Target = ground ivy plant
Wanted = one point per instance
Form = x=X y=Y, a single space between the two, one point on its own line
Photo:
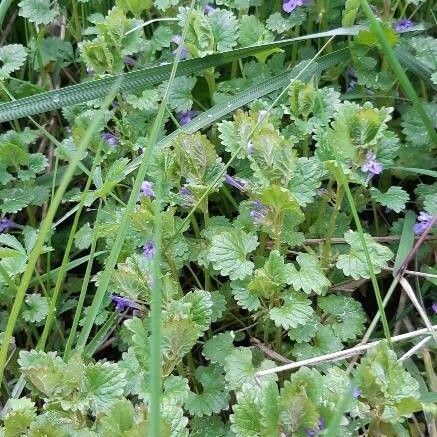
x=273 y=273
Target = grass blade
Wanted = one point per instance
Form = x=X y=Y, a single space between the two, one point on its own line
x=95 y=89
x=406 y=242
x=357 y=221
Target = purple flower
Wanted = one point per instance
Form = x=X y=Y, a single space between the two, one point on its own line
x=187 y=196
x=147 y=189
x=259 y=212
x=239 y=184
x=352 y=85
x=109 y=138
x=208 y=9
x=422 y=222
x=403 y=25
x=149 y=249
x=356 y=392
x=123 y=302
x=372 y=166
x=129 y=61
x=291 y=5
x=434 y=307
x=320 y=427
x=186 y=116
x=6 y=224
x=177 y=39
x=321 y=423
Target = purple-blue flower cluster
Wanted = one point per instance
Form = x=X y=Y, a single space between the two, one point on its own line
x=371 y=165
x=320 y=427
x=6 y=224
x=147 y=189
x=149 y=249
x=423 y=221
x=186 y=116
x=177 y=39
x=109 y=138
x=403 y=24
x=187 y=196
x=239 y=184
x=259 y=212
x=290 y=5
x=208 y=9
x=121 y=303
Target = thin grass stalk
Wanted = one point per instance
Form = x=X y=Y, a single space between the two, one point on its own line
x=373 y=279
x=62 y=271
x=4 y=6
x=46 y=227
x=84 y=288
x=398 y=70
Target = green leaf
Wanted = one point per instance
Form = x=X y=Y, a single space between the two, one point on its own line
x=21 y=413
x=200 y=304
x=224 y=27
x=39 y=11
x=394 y=198
x=354 y=263
x=83 y=237
x=105 y=383
x=368 y=37
x=214 y=397
x=304 y=333
x=323 y=343
x=51 y=50
x=147 y=101
x=386 y=385
x=180 y=93
x=413 y=127
x=218 y=305
x=280 y=200
x=228 y=253
x=280 y=24
x=247 y=298
x=178 y=337
x=118 y=420
x=218 y=348
x=240 y=369
x=252 y=32
x=345 y=315
x=12 y=58
x=36 y=308
x=296 y=310
x=135 y=6
x=310 y=276
x=430 y=203
x=132 y=278
x=306 y=179
x=211 y=426
x=245 y=418
x=176 y=390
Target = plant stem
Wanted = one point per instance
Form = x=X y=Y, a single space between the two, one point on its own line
x=83 y=289
x=326 y=254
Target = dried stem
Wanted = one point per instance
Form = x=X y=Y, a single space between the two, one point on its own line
x=342 y=354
